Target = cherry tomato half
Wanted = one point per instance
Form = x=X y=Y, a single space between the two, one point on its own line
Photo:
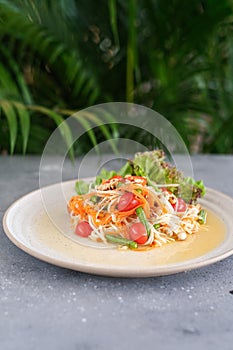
x=137 y=233
x=127 y=202
x=83 y=229
x=180 y=205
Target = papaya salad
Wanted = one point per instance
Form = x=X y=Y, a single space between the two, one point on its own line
x=147 y=203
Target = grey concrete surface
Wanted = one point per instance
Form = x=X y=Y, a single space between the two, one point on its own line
x=46 y=307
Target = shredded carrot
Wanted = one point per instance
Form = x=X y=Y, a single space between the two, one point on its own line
x=122 y=214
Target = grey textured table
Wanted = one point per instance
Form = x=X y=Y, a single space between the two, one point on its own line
x=47 y=307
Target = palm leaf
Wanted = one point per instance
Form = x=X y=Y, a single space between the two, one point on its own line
x=110 y=120
x=16 y=76
x=24 y=118
x=11 y=117
x=63 y=127
x=131 y=51
x=85 y=117
x=87 y=126
x=48 y=46
x=98 y=122
x=8 y=86
x=113 y=21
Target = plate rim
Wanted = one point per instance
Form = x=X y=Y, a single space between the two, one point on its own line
x=104 y=270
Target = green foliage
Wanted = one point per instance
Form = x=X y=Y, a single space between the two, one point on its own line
x=58 y=57
x=39 y=72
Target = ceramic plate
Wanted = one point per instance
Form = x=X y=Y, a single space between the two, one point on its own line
x=38 y=223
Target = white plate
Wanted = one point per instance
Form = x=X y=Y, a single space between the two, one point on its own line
x=29 y=227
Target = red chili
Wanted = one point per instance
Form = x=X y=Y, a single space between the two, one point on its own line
x=138 y=179
x=120 y=178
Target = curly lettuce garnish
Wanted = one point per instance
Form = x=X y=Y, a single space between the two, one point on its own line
x=156 y=169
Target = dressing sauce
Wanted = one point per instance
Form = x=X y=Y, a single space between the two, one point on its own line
x=54 y=243
x=209 y=236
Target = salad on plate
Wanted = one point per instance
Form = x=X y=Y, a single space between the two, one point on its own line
x=146 y=204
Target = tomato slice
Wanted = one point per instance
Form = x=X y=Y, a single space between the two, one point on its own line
x=180 y=205
x=128 y=201
x=83 y=229
x=137 y=233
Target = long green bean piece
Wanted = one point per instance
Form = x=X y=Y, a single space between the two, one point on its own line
x=121 y=240
x=142 y=217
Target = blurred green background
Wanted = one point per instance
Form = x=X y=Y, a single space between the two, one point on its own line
x=60 y=56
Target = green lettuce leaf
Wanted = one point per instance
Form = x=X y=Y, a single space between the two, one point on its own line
x=81 y=187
